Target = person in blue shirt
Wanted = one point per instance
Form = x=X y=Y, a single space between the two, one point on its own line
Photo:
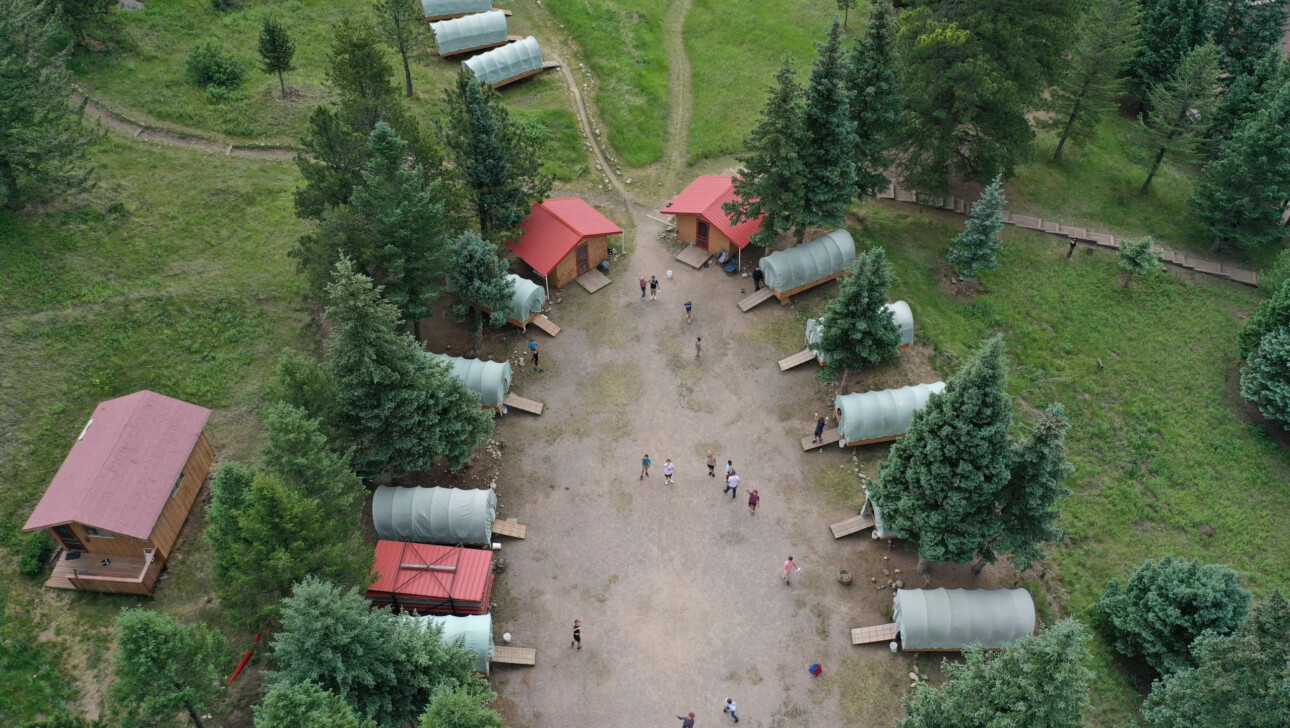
x=537 y=367
x=645 y=466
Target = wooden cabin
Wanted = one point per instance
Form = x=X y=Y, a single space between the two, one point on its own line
x=700 y=220
x=121 y=496
x=563 y=238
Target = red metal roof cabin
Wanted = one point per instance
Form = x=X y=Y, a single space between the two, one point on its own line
x=564 y=235
x=432 y=579
x=700 y=220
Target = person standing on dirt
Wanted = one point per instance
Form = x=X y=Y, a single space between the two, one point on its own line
x=758 y=277
x=819 y=429
x=668 y=469
x=645 y=466
x=730 y=467
x=643 y=288
x=698 y=347
x=732 y=485
x=537 y=367
x=712 y=464
x=687 y=721
x=577 y=634
x=753 y=500
x=730 y=708
x=790 y=566
x=689 y=308
x=653 y=288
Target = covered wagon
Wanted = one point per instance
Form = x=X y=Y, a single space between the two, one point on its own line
x=900 y=313
x=789 y=272
x=880 y=416
x=491 y=380
x=949 y=620
x=904 y=319
x=426 y=578
x=447 y=9
x=448 y=516
x=477 y=32
x=475 y=633
x=508 y=63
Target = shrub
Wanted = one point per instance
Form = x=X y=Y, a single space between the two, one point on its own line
x=36 y=548
x=1265 y=381
x=210 y=65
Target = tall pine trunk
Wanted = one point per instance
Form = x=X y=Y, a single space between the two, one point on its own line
x=1150 y=175
x=978 y=566
x=197 y=721
x=407 y=72
x=1066 y=131
x=479 y=331
x=10 y=178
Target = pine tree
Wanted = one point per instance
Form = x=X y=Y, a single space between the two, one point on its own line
x=1265 y=380
x=845 y=6
x=331 y=161
x=86 y=17
x=163 y=668
x=1137 y=259
x=1246 y=30
x=1039 y=682
x=828 y=138
x=303 y=705
x=296 y=451
x=500 y=165
x=1166 y=605
x=1241 y=195
x=1239 y=681
x=478 y=277
x=1180 y=106
x=405 y=410
x=858 y=329
x=459 y=707
x=772 y=177
x=43 y=138
x=230 y=487
x=939 y=486
x=976 y=249
x=1106 y=40
x=298 y=380
x=359 y=74
x=874 y=79
x=1244 y=97
x=1028 y=503
x=1273 y=313
x=401 y=25
x=1169 y=30
x=276 y=50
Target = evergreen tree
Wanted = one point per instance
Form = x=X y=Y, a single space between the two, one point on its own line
x=1180 y=107
x=331 y=162
x=1245 y=97
x=845 y=6
x=1239 y=681
x=1242 y=194
x=1028 y=503
x=874 y=79
x=400 y=24
x=1273 y=313
x=230 y=487
x=1169 y=30
x=858 y=329
x=43 y=138
x=1166 y=605
x=163 y=668
x=384 y=666
x=1137 y=259
x=1039 y=682
x=976 y=249
x=1246 y=30
x=828 y=138
x=299 y=381
x=460 y=707
x=276 y=50
x=296 y=451
x=479 y=278
x=86 y=17
x=405 y=410
x=772 y=178
x=1106 y=39
x=359 y=75
x=939 y=486
x=303 y=705
x=1265 y=380
x=500 y=165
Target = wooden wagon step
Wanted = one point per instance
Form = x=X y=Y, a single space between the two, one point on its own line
x=694 y=256
x=869 y=635
x=593 y=280
x=796 y=360
x=509 y=529
x=514 y=655
x=548 y=65
x=546 y=324
x=765 y=294
x=515 y=401
x=841 y=528
x=830 y=437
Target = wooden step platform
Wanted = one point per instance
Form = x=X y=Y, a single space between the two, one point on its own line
x=544 y=323
x=870 y=635
x=830 y=437
x=593 y=280
x=852 y=525
x=694 y=256
x=509 y=529
x=765 y=294
x=548 y=65
x=505 y=655
x=514 y=401
x=796 y=360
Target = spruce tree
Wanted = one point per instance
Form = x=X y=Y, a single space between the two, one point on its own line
x=230 y=487
x=1169 y=30
x=1241 y=195
x=876 y=98
x=461 y=707
x=1273 y=313
x=1243 y=98
x=296 y=451
x=858 y=329
x=276 y=50
x=845 y=6
x=772 y=178
x=1028 y=503
x=1265 y=380
x=331 y=162
x=1137 y=259
x=976 y=249
x=163 y=668
x=1180 y=106
x=401 y=26
x=500 y=165
x=478 y=277
x=1041 y=681
x=1088 y=91
x=941 y=483
x=43 y=138
x=405 y=410
x=1246 y=30
x=303 y=705
x=359 y=74
x=828 y=138
x=89 y=20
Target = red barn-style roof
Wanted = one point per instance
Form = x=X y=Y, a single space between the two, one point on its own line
x=554 y=227
x=123 y=467
x=704 y=197
x=427 y=578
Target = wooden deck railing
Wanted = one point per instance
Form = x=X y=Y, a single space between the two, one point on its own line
x=142 y=584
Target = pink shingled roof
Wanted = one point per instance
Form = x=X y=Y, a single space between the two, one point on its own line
x=704 y=197
x=119 y=474
x=554 y=227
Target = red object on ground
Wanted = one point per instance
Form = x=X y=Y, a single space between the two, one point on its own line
x=704 y=197
x=554 y=227
x=245 y=658
x=422 y=577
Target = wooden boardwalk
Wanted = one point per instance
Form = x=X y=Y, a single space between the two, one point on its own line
x=830 y=437
x=693 y=256
x=869 y=635
x=765 y=294
x=593 y=280
x=796 y=360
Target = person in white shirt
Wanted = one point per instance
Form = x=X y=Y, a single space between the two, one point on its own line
x=732 y=485
x=730 y=708
x=668 y=469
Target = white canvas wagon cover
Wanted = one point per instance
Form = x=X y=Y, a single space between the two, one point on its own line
x=474 y=630
x=469 y=31
x=507 y=62
x=952 y=619
x=440 y=8
x=883 y=413
x=491 y=380
x=527 y=299
x=820 y=258
x=445 y=516
x=904 y=321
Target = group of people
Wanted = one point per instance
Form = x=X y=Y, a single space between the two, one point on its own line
x=732 y=478
x=687 y=720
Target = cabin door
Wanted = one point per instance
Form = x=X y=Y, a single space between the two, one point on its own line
x=701 y=235
x=69 y=539
x=582 y=259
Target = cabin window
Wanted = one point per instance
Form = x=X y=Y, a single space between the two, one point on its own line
x=178 y=481
x=93 y=532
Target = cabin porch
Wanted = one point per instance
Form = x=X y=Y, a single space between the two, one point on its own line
x=87 y=571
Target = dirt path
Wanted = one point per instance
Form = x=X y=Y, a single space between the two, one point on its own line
x=580 y=107
x=119 y=124
x=680 y=96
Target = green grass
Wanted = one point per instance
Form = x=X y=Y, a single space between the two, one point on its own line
x=622 y=42
x=1158 y=436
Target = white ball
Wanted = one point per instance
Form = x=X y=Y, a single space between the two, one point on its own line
x=506 y=637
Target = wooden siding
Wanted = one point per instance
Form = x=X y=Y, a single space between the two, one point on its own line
x=717 y=241
x=686 y=228
x=118 y=545
x=687 y=231
x=566 y=271
x=176 y=511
